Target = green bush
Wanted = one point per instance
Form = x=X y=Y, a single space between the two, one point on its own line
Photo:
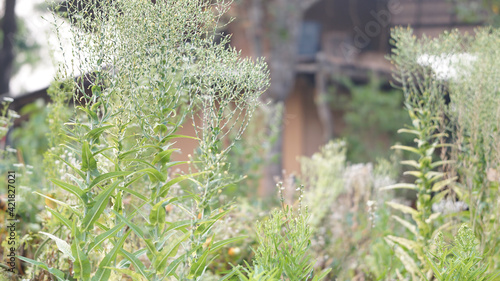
x=153 y=66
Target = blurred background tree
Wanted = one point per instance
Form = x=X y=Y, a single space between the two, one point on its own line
x=17 y=47
x=9 y=28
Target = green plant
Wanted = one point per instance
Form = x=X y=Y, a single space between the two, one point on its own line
x=151 y=66
x=475 y=101
x=323 y=173
x=249 y=155
x=459 y=67
x=255 y=273
x=425 y=103
x=284 y=240
x=372 y=115
x=459 y=261
x=349 y=218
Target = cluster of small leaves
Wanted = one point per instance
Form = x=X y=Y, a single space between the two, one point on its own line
x=323 y=171
x=148 y=66
x=284 y=240
x=460 y=261
x=255 y=273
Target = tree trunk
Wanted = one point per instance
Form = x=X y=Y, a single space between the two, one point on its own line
x=282 y=20
x=9 y=28
x=321 y=101
x=286 y=20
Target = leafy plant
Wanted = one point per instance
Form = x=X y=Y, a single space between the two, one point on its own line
x=323 y=172
x=475 y=102
x=457 y=68
x=151 y=66
x=459 y=261
x=284 y=240
x=255 y=273
x=372 y=115
x=424 y=101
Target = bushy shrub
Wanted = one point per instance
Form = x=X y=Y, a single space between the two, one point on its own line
x=151 y=68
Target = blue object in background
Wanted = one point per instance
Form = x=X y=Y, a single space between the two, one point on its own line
x=309 y=40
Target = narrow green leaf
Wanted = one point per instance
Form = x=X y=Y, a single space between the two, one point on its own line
x=93 y=115
x=78 y=171
x=408 y=225
x=59 y=203
x=167 y=138
x=416 y=174
x=168 y=252
x=412 y=163
x=105 y=236
x=408 y=131
x=175 y=263
x=96 y=133
x=151 y=248
x=59 y=216
x=409 y=244
x=158 y=214
x=75 y=190
x=62 y=245
x=56 y=272
x=202 y=229
x=108 y=176
x=103 y=273
x=160 y=129
x=133 y=192
x=133 y=226
x=439 y=185
x=81 y=265
x=154 y=175
x=400 y=186
x=439 y=196
x=102 y=201
x=217 y=245
x=138 y=265
x=407 y=148
x=179 y=225
x=88 y=161
x=403 y=208
x=134 y=275
x=432 y=265
x=407 y=260
x=322 y=275
x=164 y=189
x=200 y=264
x=441 y=163
x=164 y=156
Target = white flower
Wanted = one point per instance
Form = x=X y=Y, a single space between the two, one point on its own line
x=8 y=99
x=13 y=114
x=10 y=149
x=448 y=66
x=448 y=206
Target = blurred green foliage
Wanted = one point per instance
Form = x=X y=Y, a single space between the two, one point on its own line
x=372 y=116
